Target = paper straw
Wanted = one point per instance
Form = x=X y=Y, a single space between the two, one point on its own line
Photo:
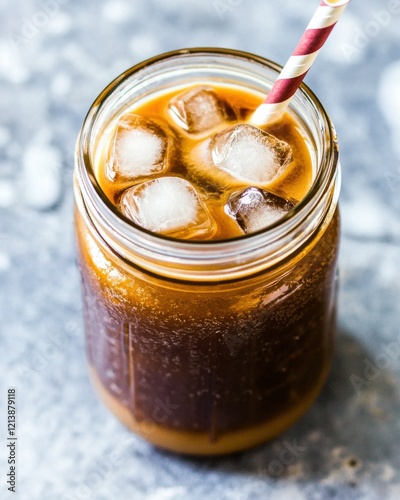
x=296 y=68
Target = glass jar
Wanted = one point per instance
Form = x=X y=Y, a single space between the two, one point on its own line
x=215 y=346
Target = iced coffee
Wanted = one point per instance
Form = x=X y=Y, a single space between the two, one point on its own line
x=207 y=249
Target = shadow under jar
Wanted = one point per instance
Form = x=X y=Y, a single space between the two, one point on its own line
x=208 y=347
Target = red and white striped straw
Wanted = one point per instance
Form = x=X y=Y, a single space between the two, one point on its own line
x=294 y=71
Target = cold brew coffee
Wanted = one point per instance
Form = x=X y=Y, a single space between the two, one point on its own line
x=207 y=250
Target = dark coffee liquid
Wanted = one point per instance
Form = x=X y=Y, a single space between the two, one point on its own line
x=185 y=159
x=213 y=367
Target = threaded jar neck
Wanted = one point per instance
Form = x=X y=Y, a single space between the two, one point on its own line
x=207 y=261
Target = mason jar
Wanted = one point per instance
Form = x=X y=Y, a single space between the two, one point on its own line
x=208 y=347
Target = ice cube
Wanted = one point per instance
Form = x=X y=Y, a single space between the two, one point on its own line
x=255 y=209
x=167 y=205
x=200 y=110
x=139 y=148
x=251 y=154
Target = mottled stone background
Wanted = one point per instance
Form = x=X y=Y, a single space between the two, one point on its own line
x=55 y=57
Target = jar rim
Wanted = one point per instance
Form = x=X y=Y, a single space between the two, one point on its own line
x=106 y=214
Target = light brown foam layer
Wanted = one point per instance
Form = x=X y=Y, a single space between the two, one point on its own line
x=196 y=443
